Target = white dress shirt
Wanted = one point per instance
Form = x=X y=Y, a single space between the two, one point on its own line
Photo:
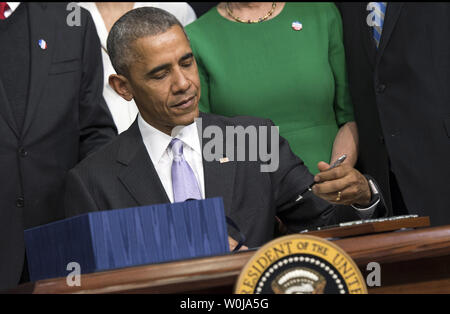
x=12 y=7
x=157 y=144
x=124 y=112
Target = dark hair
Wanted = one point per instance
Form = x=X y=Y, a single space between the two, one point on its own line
x=135 y=24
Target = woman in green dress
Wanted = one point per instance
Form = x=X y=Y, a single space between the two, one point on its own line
x=282 y=61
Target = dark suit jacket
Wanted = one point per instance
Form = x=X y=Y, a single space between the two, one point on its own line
x=401 y=96
x=66 y=118
x=121 y=175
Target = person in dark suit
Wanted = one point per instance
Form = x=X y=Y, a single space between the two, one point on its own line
x=52 y=115
x=156 y=161
x=399 y=76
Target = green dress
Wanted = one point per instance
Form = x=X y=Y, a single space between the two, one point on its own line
x=295 y=78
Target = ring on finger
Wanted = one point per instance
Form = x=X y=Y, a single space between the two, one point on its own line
x=338 y=198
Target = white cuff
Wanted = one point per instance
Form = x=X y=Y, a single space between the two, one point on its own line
x=367 y=212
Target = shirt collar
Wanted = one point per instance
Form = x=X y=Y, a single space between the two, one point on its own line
x=189 y=136
x=157 y=142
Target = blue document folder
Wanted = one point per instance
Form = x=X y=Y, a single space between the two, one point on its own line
x=105 y=240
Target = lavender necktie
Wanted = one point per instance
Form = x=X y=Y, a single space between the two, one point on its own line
x=184 y=182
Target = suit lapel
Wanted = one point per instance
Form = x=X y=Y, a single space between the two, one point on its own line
x=142 y=181
x=139 y=176
x=392 y=13
x=41 y=27
x=219 y=177
x=6 y=112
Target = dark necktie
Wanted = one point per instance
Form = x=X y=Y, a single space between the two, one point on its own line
x=3 y=7
x=378 y=12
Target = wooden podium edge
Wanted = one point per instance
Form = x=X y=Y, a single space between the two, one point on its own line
x=207 y=273
x=371 y=227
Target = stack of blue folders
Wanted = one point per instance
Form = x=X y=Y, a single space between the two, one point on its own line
x=105 y=240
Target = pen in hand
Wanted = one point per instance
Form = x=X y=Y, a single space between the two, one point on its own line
x=338 y=162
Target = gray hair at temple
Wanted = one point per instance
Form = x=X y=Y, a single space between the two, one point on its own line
x=135 y=24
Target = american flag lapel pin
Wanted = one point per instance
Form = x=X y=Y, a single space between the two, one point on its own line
x=297 y=26
x=42 y=43
x=223 y=160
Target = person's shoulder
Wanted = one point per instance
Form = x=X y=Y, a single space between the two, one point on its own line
x=204 y=22
x=324 y=8
x=330 y=9
x=63 y=9
x=103 y=158
x=312 y=5
x=84 y=6
x=63 y=14
x=324 y=13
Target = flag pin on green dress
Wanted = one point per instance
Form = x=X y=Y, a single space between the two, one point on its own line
x=297 y=26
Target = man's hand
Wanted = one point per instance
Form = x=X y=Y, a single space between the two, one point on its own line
x=233 y=243
x=352 y=185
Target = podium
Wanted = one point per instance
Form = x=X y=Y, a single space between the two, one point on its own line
x=413 y=259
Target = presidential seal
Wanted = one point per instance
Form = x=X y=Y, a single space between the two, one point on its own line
x=300 y=264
